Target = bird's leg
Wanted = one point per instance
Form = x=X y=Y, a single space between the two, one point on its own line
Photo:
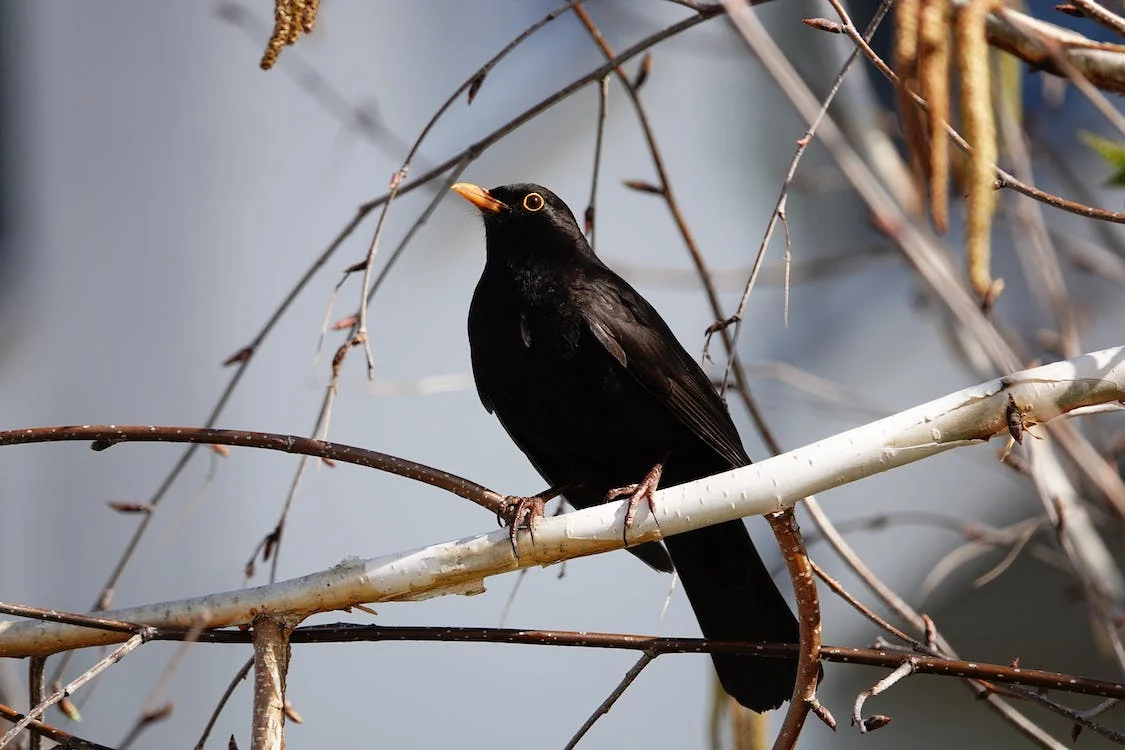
x=643 y=490
x=523 y=513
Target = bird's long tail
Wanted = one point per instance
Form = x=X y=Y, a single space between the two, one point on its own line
x=735 y=599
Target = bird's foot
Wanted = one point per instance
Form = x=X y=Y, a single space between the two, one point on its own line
x=523 y=513
x=643 y=490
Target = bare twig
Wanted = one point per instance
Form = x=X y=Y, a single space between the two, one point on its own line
x=104 y=436
x=238 y=678
x=590 y=214
x=38 y=729
x=904 y=670
x=607 y=704
x=788 y=535
x=107 y=661
x=860 y=607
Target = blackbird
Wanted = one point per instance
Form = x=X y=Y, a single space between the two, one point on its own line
x=594 y=388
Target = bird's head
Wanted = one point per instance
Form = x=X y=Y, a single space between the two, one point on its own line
x=525 y=218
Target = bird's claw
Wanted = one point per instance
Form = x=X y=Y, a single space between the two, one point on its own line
x=520 y=513
x=643 y=490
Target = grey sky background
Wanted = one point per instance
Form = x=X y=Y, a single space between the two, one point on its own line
x=168 y=194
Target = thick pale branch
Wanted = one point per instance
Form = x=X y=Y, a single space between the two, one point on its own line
x=271 y=667
x=969 y=416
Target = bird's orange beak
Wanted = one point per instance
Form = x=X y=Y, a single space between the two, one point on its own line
x=479 y=197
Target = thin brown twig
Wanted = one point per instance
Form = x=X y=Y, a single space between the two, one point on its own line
x=1005 y=180
x=104 y=436
x=788 y=534
x=607 y=704
x=38 y=729
x=1065 y=171
x=148 y=717
x=223 y=700
x=878 y=657
x=860 y=607
x=590 y=214
x=1079 y=718
x=272 y=541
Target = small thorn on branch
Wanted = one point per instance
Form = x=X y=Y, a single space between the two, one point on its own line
x=474 y=87
x=643 y=71
x=641 y=186
x=824 y=24
x=241 y=355
x=129 y=507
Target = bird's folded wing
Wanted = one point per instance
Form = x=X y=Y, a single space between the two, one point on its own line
x=635 y=335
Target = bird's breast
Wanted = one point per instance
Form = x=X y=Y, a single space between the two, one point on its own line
x=537 y=365
x=566 y=399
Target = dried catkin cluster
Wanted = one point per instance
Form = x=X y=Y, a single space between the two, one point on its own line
x=934 y=38
x=291 y=18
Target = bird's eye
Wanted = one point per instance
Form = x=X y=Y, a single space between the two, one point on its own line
x=533 y=202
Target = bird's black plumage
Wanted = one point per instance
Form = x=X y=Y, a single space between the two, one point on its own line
x=594 y=388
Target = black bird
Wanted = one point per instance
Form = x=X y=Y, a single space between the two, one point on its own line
x=594 y=388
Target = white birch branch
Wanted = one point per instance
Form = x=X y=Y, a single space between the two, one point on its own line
x=967 y=417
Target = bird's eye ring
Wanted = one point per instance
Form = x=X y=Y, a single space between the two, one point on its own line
x=533 y=202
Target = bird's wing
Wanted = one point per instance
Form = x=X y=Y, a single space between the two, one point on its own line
x=635 y=335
